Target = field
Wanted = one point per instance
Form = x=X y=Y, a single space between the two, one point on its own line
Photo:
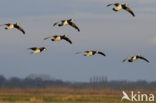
x=63 y=95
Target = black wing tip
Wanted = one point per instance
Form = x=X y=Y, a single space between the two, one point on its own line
x=55 y=24
x=30 y=48
x=69 y=41
x=104 y=54
x=108 y=5
x=133 y=14
x=147 y=61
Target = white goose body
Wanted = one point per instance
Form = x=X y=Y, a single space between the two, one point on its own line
x=90 y=53
x=119 y=7
x=11 y=26
x=65 y=23
x=58 y=38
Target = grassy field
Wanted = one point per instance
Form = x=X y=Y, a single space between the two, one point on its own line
x=63 y=95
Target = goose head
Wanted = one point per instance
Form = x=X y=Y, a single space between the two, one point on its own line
x=43 y=48
x=17 y=23
x=72 y=19
x=138 y=55
x=66 y=35
x=126 y=4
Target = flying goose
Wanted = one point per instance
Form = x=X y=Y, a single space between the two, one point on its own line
x=59 y=37
x=91 y=53
x=12 y=26
x=36 y=50
x=122 y=6
x=67 y=22
x=134 y=58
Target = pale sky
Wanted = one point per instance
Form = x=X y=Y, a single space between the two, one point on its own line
x=118 y=35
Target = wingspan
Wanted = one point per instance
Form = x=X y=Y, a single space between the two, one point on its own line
x=79 y=52
x=110 y=4
x=101 y=53
x=129 y=10
x=126 y=59
x=5 y=24
x=19 y=28
x=74 y=25
x=144 y=59
x=116 y=4
x=55 y=23
x=67 y=39
x=33 y=48
x=48 y=37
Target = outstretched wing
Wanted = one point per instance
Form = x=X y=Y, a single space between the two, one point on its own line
x=82 y=52
x=33 y=48
x=101 y=53
x=73 y=25
x=129 y=10
x=109 y=4
x=58 y=23
x=140 y=57
x=116 y=4
x=48 y=37
x=19 y=28
x=5 y=24
x=79 y=52
x=55 y=23
x=126 y=59
x=67 y=39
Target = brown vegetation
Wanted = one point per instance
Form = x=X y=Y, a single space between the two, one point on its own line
x=64 y=94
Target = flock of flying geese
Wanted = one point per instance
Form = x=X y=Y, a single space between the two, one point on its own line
x=70 y=22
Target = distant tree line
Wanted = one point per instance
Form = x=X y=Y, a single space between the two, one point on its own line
x=95 y=82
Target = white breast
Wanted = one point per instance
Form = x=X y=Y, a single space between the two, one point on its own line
x=65 y=23
x=58 y=38
x=11 y=26
x=89 y=53
x=36 y=51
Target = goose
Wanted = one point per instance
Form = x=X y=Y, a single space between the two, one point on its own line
x=36 y=50
x=134 y=58
x=59 y=37
x=12 y=26
x=122 y=6
x=67 y=22
x=91 y=53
